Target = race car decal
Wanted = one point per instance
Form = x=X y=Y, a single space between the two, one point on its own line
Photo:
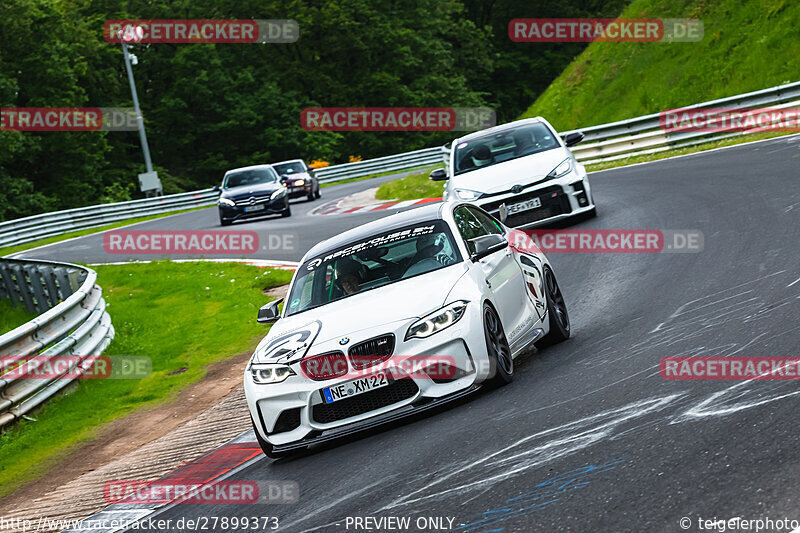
x=288 y=346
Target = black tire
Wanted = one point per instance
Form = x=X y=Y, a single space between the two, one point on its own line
x=311 y=196
x=267 y=448
x=501 y=364
x=317 y=194
x=556 y=312
x=288 y=211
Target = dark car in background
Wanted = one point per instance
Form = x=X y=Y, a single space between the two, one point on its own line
x=251 y=192
x=299 y=179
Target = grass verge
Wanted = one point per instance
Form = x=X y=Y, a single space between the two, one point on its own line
x=381 y=174
x=13 y=316
x=182 y=316
x=411 y=187
x=8 y=250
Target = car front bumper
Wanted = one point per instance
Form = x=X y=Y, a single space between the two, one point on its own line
x=560 y=198
x=241 y=212
x=289 y=413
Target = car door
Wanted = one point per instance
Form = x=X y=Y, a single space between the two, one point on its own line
x=500 y=272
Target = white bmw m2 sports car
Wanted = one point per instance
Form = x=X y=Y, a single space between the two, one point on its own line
x=395 y=317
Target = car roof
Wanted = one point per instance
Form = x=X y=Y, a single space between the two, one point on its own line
x=252 y=167
x=289 y=161
x=501 y=127
x=403 y=218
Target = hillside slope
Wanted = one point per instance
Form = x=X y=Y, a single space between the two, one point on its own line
x=747 y=46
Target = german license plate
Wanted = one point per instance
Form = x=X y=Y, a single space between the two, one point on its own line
x=349 y=389
x=251 y=208
x=533 y=203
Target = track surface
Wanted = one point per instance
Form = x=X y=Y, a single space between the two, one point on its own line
x=589 y=437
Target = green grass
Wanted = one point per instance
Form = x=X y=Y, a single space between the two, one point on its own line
x=178 y=314
x=682 y=151
x=380 y=174
x=13 y=316
x=746 y=47
x=8 y=250
x=411 y=187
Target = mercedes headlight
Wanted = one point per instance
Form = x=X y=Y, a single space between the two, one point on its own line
x=277 y=194
x=227 y=201
x=466 y=194
x=563 y=168
x=266 y=374
x=437 y=321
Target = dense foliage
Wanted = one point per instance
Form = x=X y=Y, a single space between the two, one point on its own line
x=211 y=107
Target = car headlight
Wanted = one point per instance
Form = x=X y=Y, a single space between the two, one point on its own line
x=299 y=183
x=266 y=374
x=437 y=321
x=466 y=194
x=277 y=194
x=564 y=167
x=227 y=201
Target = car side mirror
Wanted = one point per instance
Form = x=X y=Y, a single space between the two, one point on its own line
x=216 y=188
x=269 y=314
x=573 y=138
x=487 y=245
x=439 y=174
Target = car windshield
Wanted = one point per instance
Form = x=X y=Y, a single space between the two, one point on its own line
x=250 y=177
x=372 y=262
x=290 y=168
x=502 y=146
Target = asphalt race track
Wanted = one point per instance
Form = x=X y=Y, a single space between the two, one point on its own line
x=589 y=437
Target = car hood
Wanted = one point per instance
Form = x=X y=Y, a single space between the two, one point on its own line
x=411 y=298
x=502 y=176
x=297 y=176
x=247 y=190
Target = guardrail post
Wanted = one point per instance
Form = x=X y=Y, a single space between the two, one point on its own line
x=22 y=284
x=37 y=286
x=64 y=285
x=50 y=282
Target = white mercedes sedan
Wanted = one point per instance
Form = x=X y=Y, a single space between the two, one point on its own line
x=396 y=317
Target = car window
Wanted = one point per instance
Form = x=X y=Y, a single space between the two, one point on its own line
x=373 y=262
x=469 y=226
x=501 y=146
x=249 y=177
x=489 y=224
x=290 y=168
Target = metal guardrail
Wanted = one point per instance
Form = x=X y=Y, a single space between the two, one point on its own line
x=73 y=321
x=604 y=142
x=28 y=229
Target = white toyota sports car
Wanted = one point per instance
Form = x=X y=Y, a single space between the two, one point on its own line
x=395 y=317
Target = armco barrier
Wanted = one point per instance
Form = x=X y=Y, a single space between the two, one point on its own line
x=605 y=142
x=73 y=321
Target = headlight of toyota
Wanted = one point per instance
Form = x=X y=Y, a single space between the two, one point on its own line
x=437 y=321
x=227 y=201
x=277 y=194
x=466 y=194
x=563 y=168
x=266 y=374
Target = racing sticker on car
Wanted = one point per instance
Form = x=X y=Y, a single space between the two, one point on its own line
x=531 y=270
x=286 y=346
x=387 y=238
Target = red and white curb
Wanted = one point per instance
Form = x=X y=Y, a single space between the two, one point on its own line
x=209 y=469
x=333 y=208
